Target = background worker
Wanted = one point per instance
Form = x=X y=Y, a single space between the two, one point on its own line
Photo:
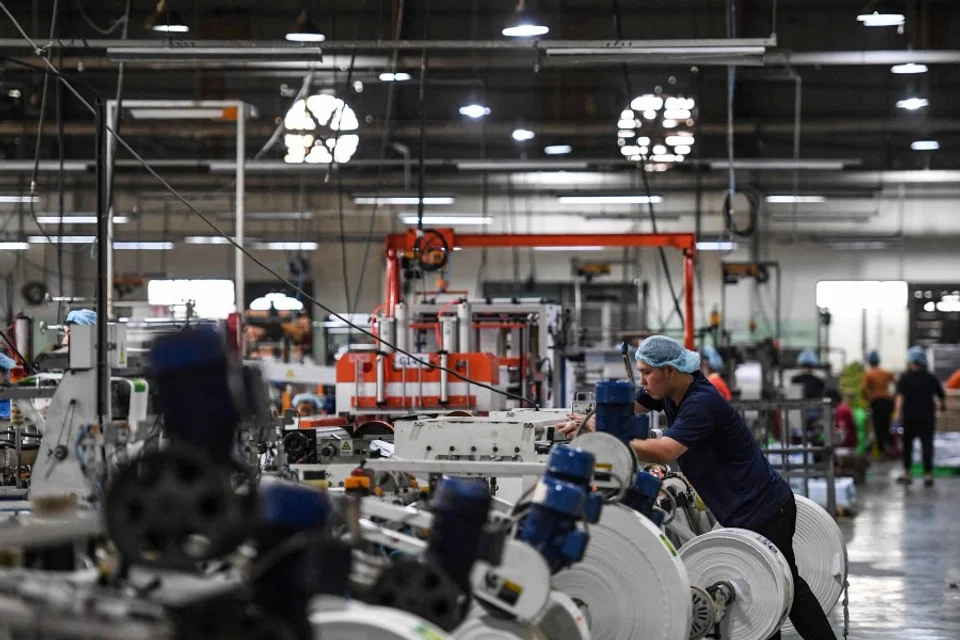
x=713 y=365
x=915 y=409
x=722 y=460
x=875 y=387
x=77 y=316
x=307 y=404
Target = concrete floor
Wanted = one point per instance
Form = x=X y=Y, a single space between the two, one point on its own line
x=904 y=553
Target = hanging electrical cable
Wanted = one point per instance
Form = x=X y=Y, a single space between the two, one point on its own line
x=422 y=151
x=618 y=27
x=68 y=83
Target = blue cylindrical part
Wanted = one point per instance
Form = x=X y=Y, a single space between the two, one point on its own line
x=294 y=506
x=460 y=509
x=642 y=496
x=559 y=496
x=615 y=409
x=572 y=465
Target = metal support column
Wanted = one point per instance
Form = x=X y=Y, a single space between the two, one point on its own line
x=689 y=326
x=103 y=267
x=109 y=148
x=239 y=283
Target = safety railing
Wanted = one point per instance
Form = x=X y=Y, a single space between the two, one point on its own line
x=787 y=432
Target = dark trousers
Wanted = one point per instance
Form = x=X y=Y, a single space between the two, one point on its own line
x=806 y=614
x=881 y=410
x=923 y=431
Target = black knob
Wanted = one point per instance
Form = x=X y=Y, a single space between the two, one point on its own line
x=60 y=452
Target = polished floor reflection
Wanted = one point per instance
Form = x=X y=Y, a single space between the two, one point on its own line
x=904 y=551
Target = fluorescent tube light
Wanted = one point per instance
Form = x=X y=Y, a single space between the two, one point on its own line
x=522 y=165
x=143 y=246
x=912 y=104
x=14 y=246
x=910 y=67
x=794 y=199
x=522 y=135
x=877 y=19
x=62 y=239
x=46 y=219
x=924 y=145
x=611 y=199
x=717 y=246
x=403 y=200
x=207 y=240
x=451 y=220
x=268 y=215
x=557 y=149
x=286 y=246
x=778 y=164
x=18 y=199
x=399 y=76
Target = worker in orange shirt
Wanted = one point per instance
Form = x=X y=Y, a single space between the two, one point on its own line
x=875 y=387
x=953 y=382
x=713 y=366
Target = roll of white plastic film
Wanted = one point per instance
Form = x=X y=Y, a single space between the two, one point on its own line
x=631 y=583
x=758 y=572
x=821 y=554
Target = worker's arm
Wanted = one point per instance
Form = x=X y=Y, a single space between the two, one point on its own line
x=940 y=394
x=662 y=451
x=897 y=407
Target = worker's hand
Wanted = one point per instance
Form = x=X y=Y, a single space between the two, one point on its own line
x=570 y=428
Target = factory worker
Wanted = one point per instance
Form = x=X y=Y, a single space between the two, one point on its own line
x=713 y=366
x=77 y=316
x=915 y=409
x=719 y=455
x=307 y=404
x=6 y=363
x=875 y=388
x=814 y=387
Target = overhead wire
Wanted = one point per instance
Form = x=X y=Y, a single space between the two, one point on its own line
x=122 y=21
x=213 y=227
x=646 y=180
x=421 y=160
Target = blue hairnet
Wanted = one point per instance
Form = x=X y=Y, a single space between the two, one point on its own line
x=82 y=316
x=312 y=398
x=917 y=355
x=714 y=359
x=661 y=351
x=6 y=362
x=873 y=359
x=808 y=358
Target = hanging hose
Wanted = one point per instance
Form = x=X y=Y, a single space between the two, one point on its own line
x=754 y=199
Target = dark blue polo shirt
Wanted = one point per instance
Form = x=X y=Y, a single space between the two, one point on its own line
x=723 y=461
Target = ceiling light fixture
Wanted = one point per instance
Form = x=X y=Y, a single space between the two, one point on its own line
x=399 y=76
x=14 y=246
x=912 y=104
x=924 y=145
x=717 y=246
x=522 y=135
x=881 y=13
x=557 y=149
x=165 y=20
x=788 y=199
x=304 y=30
x=315 y=129
x=19 y=199
x=910 y=67
x=452 y=220
x=208 y=240
x=609 y=199
x=48 y=219
x=61 y=239
x=525 y=23
x=402 y=200
x=286 y=246
x=474 y=110
x=143 y=246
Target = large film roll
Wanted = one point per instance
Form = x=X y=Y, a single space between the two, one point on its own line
x=758 y=572
x=631 y=583
x=821 y=554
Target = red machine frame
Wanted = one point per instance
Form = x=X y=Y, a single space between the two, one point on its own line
x=406 y=243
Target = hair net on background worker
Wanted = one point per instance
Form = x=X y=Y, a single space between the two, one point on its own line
x=917 y=355
x=808 y=358
x=661 y=351
x=873 y=359
x=312 y=398
x=6 y=362
x=82 y=316
x=714 y=359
